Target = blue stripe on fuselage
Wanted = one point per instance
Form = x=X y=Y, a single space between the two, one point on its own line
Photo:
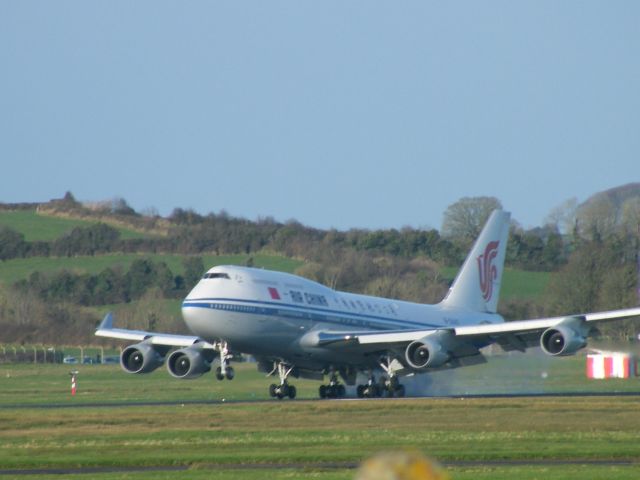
x=345 y=319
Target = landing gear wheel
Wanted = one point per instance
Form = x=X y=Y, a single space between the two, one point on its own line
x=292 y=392
x=368 y=391
x=224 y=370
x=335 y=389
x=283 y=389
x=323 y=391
x=400 y=392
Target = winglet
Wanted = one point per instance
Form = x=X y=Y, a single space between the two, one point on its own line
x=107 y=322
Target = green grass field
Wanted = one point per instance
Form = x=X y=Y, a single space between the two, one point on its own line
x=20 y=268
x=214 y=439
x=516 y=284
x=45 y=228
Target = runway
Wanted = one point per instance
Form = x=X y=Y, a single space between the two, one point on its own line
x=235 y=402
x=314 y=466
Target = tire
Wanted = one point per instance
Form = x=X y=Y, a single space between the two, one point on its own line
x=272 y=390
x=360 y=391
x=292 y=392
x=219 y=375
x=284 y=390
x=400 y=392
x=323 y=391
x=331 y=391
x=230 y=373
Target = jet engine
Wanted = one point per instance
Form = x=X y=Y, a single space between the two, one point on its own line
x=562 y=340
x=142 y=357
x=189 y=362
x=428 y=352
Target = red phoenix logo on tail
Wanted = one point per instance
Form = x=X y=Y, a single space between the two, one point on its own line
x=487 y=270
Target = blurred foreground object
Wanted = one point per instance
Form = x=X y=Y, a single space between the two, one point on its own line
x=400 y=466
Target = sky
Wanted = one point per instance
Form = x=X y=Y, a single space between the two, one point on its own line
x=358 y=114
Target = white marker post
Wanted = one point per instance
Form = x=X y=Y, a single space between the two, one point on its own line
x=74 y=383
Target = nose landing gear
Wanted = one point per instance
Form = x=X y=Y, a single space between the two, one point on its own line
x=224 y=370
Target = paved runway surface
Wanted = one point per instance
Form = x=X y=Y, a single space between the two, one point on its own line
x=219 y=402
x=317 y=466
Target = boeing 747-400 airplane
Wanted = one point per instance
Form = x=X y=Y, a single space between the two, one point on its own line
x=295 y=327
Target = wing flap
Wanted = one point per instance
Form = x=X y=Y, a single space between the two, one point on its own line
x=343 y=338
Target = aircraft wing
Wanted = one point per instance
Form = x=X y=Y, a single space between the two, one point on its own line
x=524 y=326
x=105 y=329
x=516 y=335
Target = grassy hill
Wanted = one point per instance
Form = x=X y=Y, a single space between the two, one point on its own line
x=20 y=268
x=38 y=227
x=516 y=284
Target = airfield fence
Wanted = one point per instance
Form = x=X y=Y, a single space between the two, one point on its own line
x=41 y=354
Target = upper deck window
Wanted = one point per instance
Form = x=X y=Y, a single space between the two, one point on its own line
x=216 y=275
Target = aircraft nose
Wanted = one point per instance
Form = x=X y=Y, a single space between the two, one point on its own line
x=187 y=311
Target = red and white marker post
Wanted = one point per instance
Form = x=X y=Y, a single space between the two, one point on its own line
x=74 y=382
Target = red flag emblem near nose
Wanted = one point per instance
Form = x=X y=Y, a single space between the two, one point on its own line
x=274 y=293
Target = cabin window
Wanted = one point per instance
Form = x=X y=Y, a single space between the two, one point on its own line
x=216 y=275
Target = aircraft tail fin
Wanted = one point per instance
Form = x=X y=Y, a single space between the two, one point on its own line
x=477 y=285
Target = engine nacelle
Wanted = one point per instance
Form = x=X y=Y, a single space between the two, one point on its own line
x=189 y=362
x=562 y=340
x=141 y=358
x=426 y=353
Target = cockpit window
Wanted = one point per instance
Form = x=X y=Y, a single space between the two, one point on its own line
x=216 y=275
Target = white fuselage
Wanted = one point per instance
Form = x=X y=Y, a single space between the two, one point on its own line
x=268 y=314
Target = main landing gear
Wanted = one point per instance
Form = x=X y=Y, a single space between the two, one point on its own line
x=224 y=370
x=334 y=390
x=283 y=389
x=388 y=386
x=385 y=387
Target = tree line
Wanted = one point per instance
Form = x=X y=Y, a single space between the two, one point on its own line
x=194 y=234
x=595 y=268
x=112 y=285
